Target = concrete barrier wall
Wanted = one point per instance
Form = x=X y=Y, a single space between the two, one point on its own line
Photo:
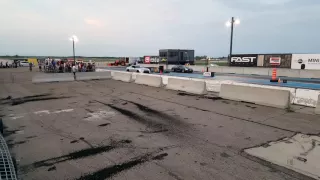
x=262 y=96
x=188 y=85
x=256 y=71
x=317 y=111
x=286 y=72
x=309 y=73
x=235 y=70
x=52 y=77
x=307 y=97
x=122 y=76
x=215 y=85
x=93 y=75
x=291 y=90
x=150 y=80
x=216 y=69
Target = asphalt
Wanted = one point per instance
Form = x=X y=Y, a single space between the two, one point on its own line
x=114 y=130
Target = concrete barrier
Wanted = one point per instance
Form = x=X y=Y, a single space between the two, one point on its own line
x=235 y=70
x=122 y=76
x=309 y=73
x=188 y=85
x=216 y=69
x=215 y=85
x=307 y=97
x=52 y=77
x=317 y=111
x=149 y=80
x=256 y=71
x=93 y=75
x=262 y=96
x=286 y=72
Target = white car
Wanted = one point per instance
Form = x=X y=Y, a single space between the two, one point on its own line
x=138 y=69
x=214 y=65
x=24 y=63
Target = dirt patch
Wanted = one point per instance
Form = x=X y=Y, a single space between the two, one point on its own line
x=111 y=171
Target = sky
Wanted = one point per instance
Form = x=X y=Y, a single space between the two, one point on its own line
x=142 y=27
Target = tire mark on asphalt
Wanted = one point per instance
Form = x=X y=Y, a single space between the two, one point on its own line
x=111 y=171
x=222 y=114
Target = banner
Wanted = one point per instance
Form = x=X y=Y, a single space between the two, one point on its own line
x=151 y=59
x=305 y=61
x=285 y=61
x=244 y=60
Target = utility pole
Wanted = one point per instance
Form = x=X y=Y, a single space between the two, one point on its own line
x=74 y=54
x=231 y=38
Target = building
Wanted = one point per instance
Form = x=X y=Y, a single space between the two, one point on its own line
x=176 y=56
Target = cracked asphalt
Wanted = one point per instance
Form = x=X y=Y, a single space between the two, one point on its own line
x=114 y=130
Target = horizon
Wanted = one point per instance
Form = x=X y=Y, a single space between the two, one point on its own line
x=127 y=28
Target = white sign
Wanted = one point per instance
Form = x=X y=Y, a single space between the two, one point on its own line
x=242 y=59
x=275 y=61
x=207 y=74
x=305 y=61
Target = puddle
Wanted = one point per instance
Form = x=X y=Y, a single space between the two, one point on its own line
x=299 y=153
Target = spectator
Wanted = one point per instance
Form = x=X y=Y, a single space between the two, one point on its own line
x=7 y=64
x=30 y=66
x=74 y=70
x=40 y=69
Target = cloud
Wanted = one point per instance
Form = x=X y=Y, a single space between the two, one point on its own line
x=93 y=22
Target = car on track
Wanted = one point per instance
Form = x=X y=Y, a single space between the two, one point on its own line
x=138 y=69
x=181 y=68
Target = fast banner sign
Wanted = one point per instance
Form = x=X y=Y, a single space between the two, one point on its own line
x=305 y=61
x=244 y=60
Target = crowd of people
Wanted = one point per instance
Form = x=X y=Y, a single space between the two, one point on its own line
x=8 y=64
x=61 y=66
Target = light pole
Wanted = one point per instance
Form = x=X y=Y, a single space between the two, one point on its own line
x=231 y=24
x=74 y=39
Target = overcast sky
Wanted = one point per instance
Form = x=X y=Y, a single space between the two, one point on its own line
x=142 y=27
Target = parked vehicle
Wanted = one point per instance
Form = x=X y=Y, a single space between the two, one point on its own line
x=24 y=63
x=181 y=68
x=214 y=65
x=139 y=69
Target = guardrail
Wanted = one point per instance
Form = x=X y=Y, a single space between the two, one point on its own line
x=7 y=168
